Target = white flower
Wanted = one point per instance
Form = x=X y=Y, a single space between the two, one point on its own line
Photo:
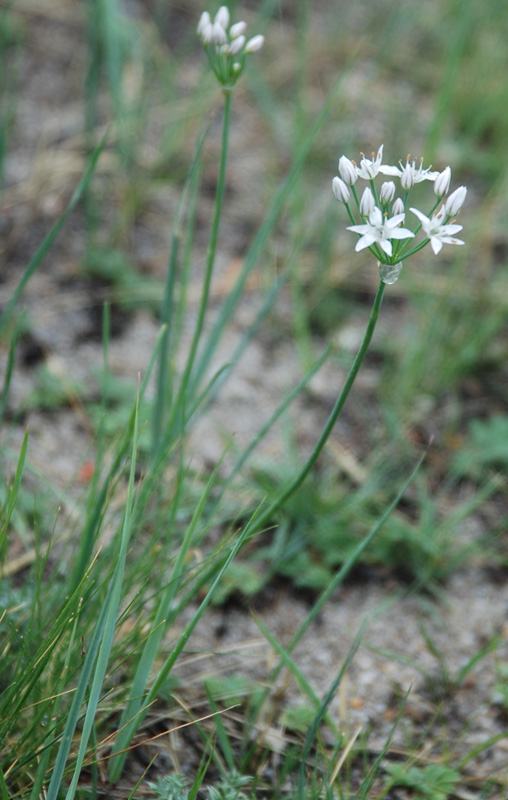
x=380 y=230
x=214 y=32
x=398 y=207
x=442 y=182
x=226 y=45
x=348 y=171
x=237 y=29
x=219 y=35
x=255 y=44
x=235 y=46
x=368 y=168
x=418 y=174
x=436 y=231
x=222 y=18
x=367 y=202
x=340 y=190
x=387 y=192
x=407 y=180
x=456 y=200
x=205 y=28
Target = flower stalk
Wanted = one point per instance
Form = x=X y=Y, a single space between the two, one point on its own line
x=178 y=410
x=267 y=516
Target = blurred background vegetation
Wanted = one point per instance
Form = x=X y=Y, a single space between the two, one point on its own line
x=425 y=77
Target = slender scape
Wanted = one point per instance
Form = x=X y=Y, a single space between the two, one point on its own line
x=332 y=419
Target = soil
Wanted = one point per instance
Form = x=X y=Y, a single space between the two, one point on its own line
x=63 y=304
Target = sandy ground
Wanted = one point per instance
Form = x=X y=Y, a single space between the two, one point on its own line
x=63 y=306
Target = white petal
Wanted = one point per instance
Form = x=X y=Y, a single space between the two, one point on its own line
x=347 y=171
x=237 y=29
x=451 y=229
x=235 y=45
x=396 y=220
x=386 y=245
x=255 y=44
x=218 y=34
x=442 y=182
x=386 y=170
x=340 y=190
x=436 y=244
x=376 y=217
x=363 y=229
x=204 y=22
x=365 y=241
x=401 y=233
x=420 y=216
x=455 y=201
x=222 y=17
x=367 y=202
x=451 y=240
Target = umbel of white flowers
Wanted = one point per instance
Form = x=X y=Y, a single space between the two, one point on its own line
x=226 y=45
x=382 y=214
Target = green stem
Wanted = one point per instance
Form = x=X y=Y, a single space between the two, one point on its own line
x=210 y=261
x=339 y=405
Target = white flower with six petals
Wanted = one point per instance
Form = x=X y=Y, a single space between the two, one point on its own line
x=418 y=174
x=435 y=229
x=380 y=230
x=368 y=168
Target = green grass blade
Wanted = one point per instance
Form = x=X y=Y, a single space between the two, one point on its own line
x=318 y=719
x=368 y=781
x=471 y=663
x=99 y=652
x=290 y=664
x=44 y=760
x=164 y=392
x=129 y=720
x=14 y=491
x=9 y=368
x=184 y=637
x=335 y=582
x=96 y=511
x=224 y=742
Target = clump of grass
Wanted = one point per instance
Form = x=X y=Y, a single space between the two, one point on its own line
x=91 y=637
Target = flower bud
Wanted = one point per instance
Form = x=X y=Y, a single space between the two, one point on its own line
x=340 y=190
x=255 y=44
x=205 y=28
x=455 y=201
x=442 y=182
x=398 y=207
x=235 y=46
x=347 y=171
x=237 y=29
x=218 y=35
x=222 y=17
x=407 y=179
x=367 y=202
x=387 y=192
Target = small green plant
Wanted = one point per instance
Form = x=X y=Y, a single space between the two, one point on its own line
x=91 y=632
x=432 y=782
x=171 y=787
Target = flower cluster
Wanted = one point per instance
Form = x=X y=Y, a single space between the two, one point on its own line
x=226 y=45
x=382 y=213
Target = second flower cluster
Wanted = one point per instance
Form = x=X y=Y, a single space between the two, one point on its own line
x=382 y=213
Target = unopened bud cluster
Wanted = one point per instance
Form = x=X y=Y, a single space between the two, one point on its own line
x=226 y=45
x=382 y=213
